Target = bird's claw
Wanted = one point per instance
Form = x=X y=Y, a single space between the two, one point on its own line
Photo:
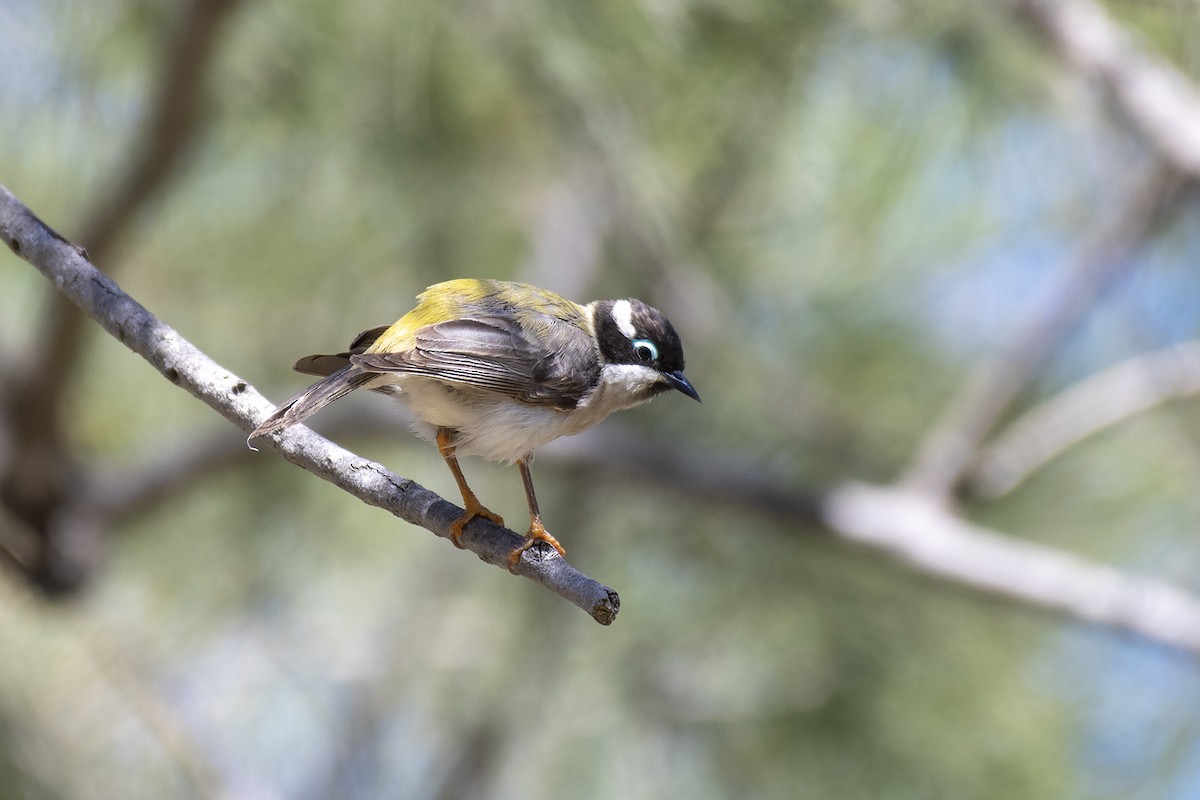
x=473 y=511
x=536 y=534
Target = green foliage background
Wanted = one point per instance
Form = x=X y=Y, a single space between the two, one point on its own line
x=841 y=205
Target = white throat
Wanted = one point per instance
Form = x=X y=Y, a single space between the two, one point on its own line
x=621 y=386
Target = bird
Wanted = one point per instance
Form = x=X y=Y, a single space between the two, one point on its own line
x=496 y=369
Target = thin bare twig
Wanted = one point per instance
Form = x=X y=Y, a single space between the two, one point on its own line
x=920 y=531
x=1164 y=104
x=1083 y=410
x=948 y=449
x=181 y=363
x=120 y=494
x=911 y=528
x=1160 y=100
x=914 y=529
x=171 y=124
x=34 y=469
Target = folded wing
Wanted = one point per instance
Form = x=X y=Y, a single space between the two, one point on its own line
x=545 y=362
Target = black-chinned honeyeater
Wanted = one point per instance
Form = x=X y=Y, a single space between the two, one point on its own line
x=496 y=369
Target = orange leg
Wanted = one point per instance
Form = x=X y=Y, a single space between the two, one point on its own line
x=537 y=533
x=473 y=507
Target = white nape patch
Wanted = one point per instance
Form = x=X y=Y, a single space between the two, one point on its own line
x=622 y=314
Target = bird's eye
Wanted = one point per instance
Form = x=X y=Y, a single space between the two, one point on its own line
x=645 y=350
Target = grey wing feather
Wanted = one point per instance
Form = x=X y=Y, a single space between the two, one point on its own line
x=313 y=399
x=340 y=378
x=322 y=364
x=367 y=338
x=496 y=354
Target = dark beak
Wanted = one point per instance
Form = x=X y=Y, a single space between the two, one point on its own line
x=681 y=383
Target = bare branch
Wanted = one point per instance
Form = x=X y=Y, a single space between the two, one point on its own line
x=994 y=385
x=737 y=481
x=34 y=467
x=17 y=548
x=172 y=122
x=921 y=532
x=1085 y=409
x=121 y=494
x=1165 y=105
x=181 y=363
x=1160 y=100
x=910 y=528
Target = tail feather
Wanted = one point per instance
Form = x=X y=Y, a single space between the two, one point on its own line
x=313 y=399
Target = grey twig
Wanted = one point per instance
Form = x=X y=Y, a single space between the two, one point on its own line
x=172 y=122
x=920 y=531
x=38 y=469
x=69 y=269
x=910 y=527
x=1164 y=104
x=989 y=391
x=1159 y=99
x=1090 y=406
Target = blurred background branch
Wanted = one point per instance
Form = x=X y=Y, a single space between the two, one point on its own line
x=910 y=528
x=1165 y=105
x=38 y=464
x=921 y=532
x=1160 y=100
x=1093 y=405
x=996 y=382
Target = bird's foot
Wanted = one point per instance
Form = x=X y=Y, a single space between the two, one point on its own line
x=536 y=534
x=475 y=509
